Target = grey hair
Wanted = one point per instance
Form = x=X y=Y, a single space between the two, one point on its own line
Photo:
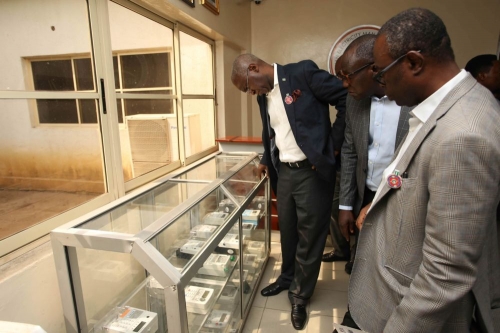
x=418 y=29
x=363 y=47
x=240 y=65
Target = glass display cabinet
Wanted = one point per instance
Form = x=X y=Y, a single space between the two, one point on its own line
x=182 y=254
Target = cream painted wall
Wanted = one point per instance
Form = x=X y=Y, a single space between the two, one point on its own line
x=235 y=121
x=293 y=30
x=29 y=292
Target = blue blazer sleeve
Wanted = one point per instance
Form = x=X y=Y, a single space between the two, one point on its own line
x=327 y=88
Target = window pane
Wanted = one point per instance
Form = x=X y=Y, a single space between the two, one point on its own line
x=115 y=71
x=57 y=111
x=119 y=110
x=145 y=70
x=199 y=125
x=37 y=31
x=44 y=171
x=143 y=47
x=52 y=75
x=196 y=66
x=88 y=111
x=84 y=74
x=147 y=106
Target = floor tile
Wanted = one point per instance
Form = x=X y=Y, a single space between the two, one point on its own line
x=321 y=324
x=276 y=251
x=253 y=320
x=276 y=321
x=335 y=266
x=332 y=280
x=279 y=302
x=329 y=303
x=267 y=278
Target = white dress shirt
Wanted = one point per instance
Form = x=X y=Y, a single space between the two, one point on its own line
x=285 y=141
x=420 y=114
x=384 y=119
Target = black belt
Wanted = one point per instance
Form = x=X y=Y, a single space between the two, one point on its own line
x=298 y=165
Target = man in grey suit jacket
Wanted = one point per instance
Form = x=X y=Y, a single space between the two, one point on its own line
x=375 y=127
x=427 y=258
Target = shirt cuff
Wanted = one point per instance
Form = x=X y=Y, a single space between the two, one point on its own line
x=345 y=207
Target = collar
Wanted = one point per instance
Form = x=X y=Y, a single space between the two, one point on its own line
x=375 y=98
x=275 y=75
x=276 y=82
x=425 y=109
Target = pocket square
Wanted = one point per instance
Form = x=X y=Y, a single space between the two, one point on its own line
x=296 y=94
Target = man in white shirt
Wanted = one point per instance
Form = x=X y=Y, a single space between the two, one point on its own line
x=299 y=141
x=427 y=256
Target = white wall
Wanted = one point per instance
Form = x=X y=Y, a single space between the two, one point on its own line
x=29 y=292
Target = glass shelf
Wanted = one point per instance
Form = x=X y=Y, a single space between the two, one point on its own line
x=167 y=258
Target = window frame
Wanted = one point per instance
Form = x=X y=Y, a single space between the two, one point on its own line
x=30 y=84
x=102 y=66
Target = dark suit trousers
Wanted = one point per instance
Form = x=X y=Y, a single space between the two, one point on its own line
x=304 y=208
x=339 y=243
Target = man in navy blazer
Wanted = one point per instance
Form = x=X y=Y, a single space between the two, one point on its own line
x=299 y=146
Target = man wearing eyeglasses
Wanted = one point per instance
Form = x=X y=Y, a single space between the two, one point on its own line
x=299 y=142
x=427 y=256
x=375 y=127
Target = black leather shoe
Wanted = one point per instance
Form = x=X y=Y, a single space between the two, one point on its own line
x=299 y=316
x=348 y=267
x=331 y=256
x=272 y=289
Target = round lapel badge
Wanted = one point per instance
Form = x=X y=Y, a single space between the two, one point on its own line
x=394 y=181
x=288 y=99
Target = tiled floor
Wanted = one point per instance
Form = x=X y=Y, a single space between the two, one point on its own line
x=328 y=304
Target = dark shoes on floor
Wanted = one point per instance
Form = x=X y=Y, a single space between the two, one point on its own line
x=299 y=316
x=332 y=256
x=272 y=289
x=348 y=267
x=299 y=313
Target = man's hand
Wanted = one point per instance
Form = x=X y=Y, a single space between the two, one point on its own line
x=263 y=170
x=362 y=215
x=346 y=223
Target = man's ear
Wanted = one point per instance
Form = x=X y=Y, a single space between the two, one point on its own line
x=253 y=68
x=481 y=77
x=416 y=61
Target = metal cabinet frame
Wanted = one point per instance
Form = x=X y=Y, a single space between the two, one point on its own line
x=67 y=238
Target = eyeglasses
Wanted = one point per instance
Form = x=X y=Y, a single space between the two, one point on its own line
x=347 y=77
x=379 y=76
x=247 y=89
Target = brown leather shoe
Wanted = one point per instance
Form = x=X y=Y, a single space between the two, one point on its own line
x=299 y=316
